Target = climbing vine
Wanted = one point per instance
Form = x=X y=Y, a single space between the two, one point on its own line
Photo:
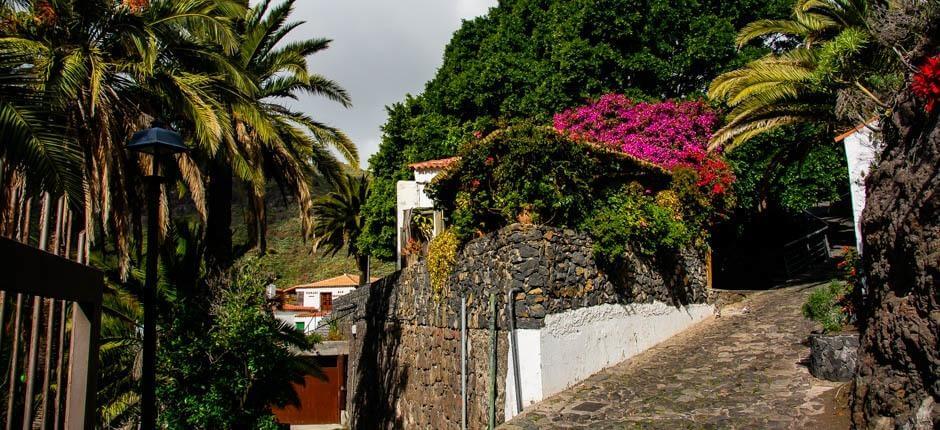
x=442 y=257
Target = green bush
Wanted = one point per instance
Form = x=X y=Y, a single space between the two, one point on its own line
x=634 y=217
x=535 y=172
x=825 y=306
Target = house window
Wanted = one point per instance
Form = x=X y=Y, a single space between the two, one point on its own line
x=299 y=301
x=299 y=325
x=326 y=302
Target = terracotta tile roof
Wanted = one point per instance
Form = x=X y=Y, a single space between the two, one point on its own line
x=433 y=164
x=344 y=280
x=848 y=133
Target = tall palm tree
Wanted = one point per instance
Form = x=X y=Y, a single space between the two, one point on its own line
x=338 y=220
x=270 y=139
x=106 y=66
x=796 y=85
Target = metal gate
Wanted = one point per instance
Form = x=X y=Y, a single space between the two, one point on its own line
x=50 y=314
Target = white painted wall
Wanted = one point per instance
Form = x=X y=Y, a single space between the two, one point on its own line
x=311 y=296
x=861 y=151
x=530 y=371
x=575 y=344
x=291 y=319
x=411 y=195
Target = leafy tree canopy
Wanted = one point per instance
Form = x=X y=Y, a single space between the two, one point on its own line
x=533 y=58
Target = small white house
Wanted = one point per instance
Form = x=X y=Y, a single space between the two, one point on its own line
x=304 y=306
x=412 y=200
x=863 y=144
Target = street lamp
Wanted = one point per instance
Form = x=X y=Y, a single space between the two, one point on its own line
x=158 y=141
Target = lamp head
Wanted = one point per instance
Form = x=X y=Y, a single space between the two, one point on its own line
x=157 y=140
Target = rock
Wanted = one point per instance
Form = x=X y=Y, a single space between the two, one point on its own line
x=833 y=357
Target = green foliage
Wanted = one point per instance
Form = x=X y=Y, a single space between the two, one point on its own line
x=442 y=257
x=337 y=215
x=226 y=368
x=290 y=257
x=533 y=58
x=824 y=305
x=532 y=171
x=838 y=56
x=789 y=169
x=632 y=219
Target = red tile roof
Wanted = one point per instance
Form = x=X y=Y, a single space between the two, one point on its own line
x=344 y=280
x=848 y=133
x=433 y=164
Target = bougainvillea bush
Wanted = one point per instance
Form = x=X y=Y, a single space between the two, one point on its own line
x=672 y=135
x=536 y=174
x=669 y=133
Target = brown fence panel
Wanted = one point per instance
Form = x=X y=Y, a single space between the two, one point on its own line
x=50 y=313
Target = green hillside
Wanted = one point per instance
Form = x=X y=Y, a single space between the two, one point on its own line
x=288 y=256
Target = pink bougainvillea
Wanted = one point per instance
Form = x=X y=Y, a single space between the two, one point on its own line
x=670 y=133
x=926 y=82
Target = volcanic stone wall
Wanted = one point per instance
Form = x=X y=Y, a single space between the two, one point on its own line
x=404 y=364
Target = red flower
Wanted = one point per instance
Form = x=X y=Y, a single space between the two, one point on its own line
x=489 y=161
x=475 y=184
x=926 y=82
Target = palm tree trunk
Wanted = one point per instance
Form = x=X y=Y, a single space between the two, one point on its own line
x=260 y=222
x=219 y=216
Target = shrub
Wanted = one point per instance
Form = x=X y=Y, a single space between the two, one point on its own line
x=668 y=133
x=442 y=257
x=535 y=172
x=825 y=306
x=635 y=219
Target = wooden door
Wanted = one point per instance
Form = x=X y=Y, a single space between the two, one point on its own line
x=320 y=399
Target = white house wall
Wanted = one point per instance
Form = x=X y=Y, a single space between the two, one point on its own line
x=311 y=296
x=530 y=371
x=861 y=150
x=411 y=195
x=575 y=344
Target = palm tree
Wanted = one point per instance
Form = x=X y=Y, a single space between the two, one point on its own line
x=105 y=67
x=338 y=220
x=270 y=139
x=797 y=85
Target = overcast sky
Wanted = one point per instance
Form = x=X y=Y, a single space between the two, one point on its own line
x=381 y=50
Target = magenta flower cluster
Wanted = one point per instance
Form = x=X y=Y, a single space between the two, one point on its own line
x=670 y=133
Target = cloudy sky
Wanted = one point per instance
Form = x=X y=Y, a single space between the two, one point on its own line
x=381 y=50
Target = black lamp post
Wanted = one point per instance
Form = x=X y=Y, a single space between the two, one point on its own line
x=158 y=141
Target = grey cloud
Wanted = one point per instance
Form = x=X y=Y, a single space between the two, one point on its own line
x=381 y=50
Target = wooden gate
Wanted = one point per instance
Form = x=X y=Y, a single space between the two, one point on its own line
x=321 y=400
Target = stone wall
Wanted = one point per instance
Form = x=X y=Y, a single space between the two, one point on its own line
x=404 y=364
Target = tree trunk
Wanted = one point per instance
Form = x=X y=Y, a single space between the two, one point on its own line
x=364 y=269
x=219 y=217
x=898 y=379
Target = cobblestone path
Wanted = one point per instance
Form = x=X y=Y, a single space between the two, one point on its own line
x=740 y=371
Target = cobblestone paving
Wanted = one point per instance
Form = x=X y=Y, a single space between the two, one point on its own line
x=739 y=371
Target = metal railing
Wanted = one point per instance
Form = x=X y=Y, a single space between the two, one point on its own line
x=50 y=314
x=808 y=250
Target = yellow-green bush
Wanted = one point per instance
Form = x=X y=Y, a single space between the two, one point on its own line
x=442 y=256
